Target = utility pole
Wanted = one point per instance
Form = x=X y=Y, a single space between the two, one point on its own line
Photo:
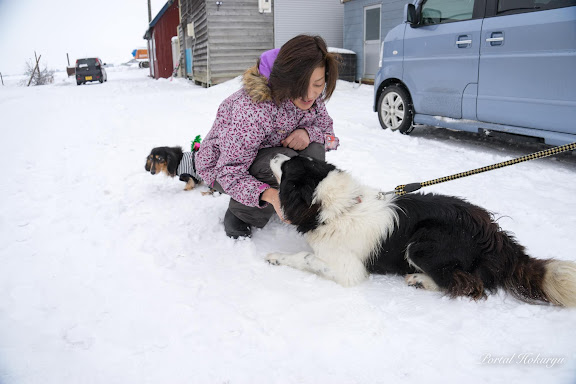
x=149 y=11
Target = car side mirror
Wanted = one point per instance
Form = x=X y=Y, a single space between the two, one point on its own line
x=410 y=15
x=431 y=16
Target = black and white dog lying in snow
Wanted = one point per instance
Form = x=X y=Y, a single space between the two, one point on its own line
x=439 y=243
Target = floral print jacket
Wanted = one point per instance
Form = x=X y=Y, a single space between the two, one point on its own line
x=246 y=122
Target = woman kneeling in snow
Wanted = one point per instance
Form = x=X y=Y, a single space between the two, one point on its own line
x=280 y=109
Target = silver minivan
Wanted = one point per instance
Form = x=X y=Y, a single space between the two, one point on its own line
x=482 y=66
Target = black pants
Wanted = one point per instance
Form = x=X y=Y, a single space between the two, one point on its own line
x=260 y=169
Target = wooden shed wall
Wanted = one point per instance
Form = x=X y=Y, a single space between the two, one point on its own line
x=194 y=11
x=237 y=35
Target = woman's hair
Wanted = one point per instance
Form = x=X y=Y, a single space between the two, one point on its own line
x=293 y=67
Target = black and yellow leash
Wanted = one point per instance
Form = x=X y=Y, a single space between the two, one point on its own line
x=408 y=188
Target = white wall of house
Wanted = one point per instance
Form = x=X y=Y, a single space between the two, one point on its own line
x=355 y=29
x=313 y=17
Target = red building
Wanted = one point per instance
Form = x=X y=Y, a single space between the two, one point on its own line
x=159 y=35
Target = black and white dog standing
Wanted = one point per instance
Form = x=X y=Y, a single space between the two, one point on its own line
x=437 y=242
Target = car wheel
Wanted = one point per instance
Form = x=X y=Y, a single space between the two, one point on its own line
x=78 y=83
x=101 y=80
x=395 y=109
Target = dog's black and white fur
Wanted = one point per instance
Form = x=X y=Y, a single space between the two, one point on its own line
x=437 y=242
x=172 y=161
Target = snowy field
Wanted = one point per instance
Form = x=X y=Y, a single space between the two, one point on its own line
x=111 y=275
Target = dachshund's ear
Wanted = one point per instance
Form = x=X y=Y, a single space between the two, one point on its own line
x=171 y=163
x=148 y=163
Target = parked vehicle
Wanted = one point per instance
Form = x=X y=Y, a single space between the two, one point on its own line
x=505 y=66
x=141 y=56
x=90 y=69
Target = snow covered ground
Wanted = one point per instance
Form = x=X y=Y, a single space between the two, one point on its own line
x=110 y=275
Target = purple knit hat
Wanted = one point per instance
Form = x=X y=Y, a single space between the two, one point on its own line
x=267 y=62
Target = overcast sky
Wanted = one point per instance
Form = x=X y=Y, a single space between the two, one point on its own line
x=109 y=29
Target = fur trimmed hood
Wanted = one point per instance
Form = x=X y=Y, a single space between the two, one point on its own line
x=256 y=85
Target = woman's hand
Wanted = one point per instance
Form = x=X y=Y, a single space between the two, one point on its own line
x=297 y=140
x=271 y=196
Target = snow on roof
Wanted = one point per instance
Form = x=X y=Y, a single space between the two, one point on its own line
x=340 y=50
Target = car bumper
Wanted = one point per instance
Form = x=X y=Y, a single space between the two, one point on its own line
x=84 y=78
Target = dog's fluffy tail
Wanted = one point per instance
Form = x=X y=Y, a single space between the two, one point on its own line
x=552 y=281
x=560 y=283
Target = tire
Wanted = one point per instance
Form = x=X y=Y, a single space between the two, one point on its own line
x=78 y=83
x=101 y=80
x=395 y=109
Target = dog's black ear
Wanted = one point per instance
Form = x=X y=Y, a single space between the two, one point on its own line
x=296 y=201
x=148 y=164
x=172 y=163
x=291 y=193
x=307 y=194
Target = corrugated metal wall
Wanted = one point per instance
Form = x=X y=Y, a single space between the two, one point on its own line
x=392 y=13
x=314 y=17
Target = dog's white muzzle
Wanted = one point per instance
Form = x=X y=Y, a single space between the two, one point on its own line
x=276 y=165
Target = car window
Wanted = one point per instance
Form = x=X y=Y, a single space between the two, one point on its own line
x=508 y=7
x=83 y=63
x=446 y=11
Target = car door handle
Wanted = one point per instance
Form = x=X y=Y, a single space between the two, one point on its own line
x=495 y=39
x=463 y=41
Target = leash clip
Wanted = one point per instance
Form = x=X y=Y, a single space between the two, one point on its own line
x=382 y=195
x=400 y=190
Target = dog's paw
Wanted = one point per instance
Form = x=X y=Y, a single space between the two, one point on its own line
x=212 y=192
x=190 y=184
x=274 y=258
x=421 y=280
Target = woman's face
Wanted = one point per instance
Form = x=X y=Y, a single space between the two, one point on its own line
x=315 y=89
